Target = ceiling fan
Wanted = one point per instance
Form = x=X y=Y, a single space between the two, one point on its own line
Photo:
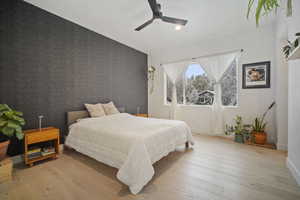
x=157 y=14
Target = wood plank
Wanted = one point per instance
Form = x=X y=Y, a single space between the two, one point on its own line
x=269 y=146
x=5 y=170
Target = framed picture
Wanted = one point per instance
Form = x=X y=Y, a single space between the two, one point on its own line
x=256 y=75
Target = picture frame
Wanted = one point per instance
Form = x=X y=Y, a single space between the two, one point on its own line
x=256 y=75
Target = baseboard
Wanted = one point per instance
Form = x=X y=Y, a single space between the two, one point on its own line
x=206 y=134
x=281 y=147
x=295 y=172
x=19 y=158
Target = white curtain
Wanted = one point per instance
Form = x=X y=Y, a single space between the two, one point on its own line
x=215 y=67
x=174 y=72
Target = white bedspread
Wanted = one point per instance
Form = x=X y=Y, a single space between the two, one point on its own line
x=131 y=144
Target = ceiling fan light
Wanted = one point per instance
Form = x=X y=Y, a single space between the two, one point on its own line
x=178 y=27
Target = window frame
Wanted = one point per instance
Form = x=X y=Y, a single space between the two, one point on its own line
x=166 y=103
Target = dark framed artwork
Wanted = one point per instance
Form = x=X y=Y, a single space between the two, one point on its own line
x=257 y=75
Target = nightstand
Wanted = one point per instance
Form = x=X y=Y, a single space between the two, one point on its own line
x=142 y=115
x=36 y=137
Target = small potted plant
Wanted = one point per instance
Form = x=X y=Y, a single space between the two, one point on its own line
x=11 y=123
x=258 y=127
x=240 y=130
x=288 y=49
x=258 y=131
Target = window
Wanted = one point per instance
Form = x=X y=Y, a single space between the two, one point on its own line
x=197 y=88
x=229 y=86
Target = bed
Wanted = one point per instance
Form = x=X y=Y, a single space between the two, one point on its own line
x=129 y=143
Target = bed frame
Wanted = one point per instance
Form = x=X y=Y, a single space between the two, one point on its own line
x=73 y=116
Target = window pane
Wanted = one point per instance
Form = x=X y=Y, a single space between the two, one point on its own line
x=179 y=87
x=198 y=86
x=229 y=86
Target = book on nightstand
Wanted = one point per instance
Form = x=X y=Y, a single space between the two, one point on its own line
x=47 y=151
x=34 y=153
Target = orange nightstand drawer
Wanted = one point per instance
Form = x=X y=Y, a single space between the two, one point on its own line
x=44 y=135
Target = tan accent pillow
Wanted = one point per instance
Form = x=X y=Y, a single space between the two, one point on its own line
x=95 y=110
x=110 y=108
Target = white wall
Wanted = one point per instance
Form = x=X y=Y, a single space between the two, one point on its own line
x=259 y=46
x=294 y=100
x=281 y=83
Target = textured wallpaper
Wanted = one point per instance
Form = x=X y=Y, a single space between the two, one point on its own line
x=49 y=66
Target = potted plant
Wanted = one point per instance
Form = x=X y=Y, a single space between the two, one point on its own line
x=11 y=123
x=258 y=127
x=287 y=49
x=240 y=130
x=258 y=131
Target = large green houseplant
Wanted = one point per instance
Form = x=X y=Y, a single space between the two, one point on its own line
x=11 y=122
x=264 y=7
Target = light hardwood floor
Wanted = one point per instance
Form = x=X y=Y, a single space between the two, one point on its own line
x=215 y=169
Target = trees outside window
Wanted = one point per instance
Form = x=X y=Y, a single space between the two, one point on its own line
x=197 y=83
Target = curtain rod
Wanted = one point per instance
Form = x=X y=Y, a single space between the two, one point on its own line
x=210 y=55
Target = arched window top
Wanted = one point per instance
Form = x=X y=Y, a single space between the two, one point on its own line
x=194 y=70
x=197 y=88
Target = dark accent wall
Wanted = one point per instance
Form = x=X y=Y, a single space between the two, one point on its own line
x=49 y=66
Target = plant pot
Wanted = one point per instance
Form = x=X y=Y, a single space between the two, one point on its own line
x=3 y=149
x=260 y=137
x=239 y=138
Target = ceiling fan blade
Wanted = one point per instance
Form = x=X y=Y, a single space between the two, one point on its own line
x=174 y=20
x=154 y=7
x=144 y=25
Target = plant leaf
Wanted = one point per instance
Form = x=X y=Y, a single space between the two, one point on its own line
x=4 y=107
x=18 y=113
x=260 y=6
x=19 y=135
x=250 y=5
x=8 y=131
x=3 y=122
x=13 y=124
x=289 y=10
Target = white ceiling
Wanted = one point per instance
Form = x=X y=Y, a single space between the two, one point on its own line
x=117 y=19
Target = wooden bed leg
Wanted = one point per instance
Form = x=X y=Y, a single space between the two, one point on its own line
x=187 y=145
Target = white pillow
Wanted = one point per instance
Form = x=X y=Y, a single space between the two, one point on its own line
x=110 y=108
x=95 y=110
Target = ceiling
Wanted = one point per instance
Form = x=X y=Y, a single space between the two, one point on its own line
x=117 y=19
